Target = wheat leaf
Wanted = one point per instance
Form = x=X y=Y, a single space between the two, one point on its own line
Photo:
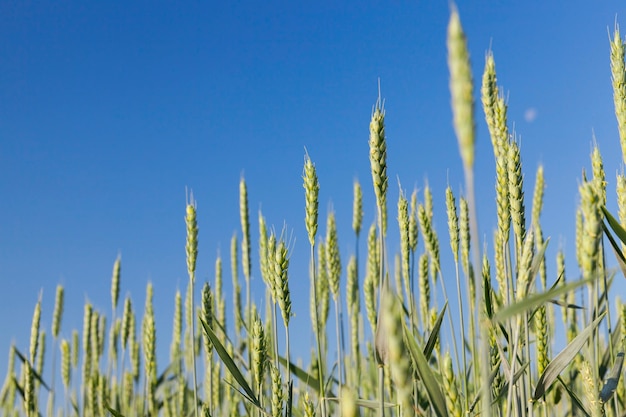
x=563 y=359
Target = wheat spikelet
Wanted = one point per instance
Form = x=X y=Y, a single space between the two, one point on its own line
x=464 y=236
x=259 y=351
x=450 y=389
x=378 y=161
x=332 y=254
x=413 y=229
x=489 y=96
x=453 y=223
x=619 y=86
x=115 y=282
x=311 y=192
x=309 y=408
x=357 y=209
x=66 y=371
x=591 y=390
x=126 y=318
x=461 y=89
x=191 y=247
x=370 y=284
x=234 y=263
x=245 y=228
x=396 y=353
x=592 y=228
x=177 y=325
x=207 y=316
x=516 y=195
x=34 y=331
x=323 y=291
x=424 y=287
x=149 y=349
x=430 y=239
x=405 y=247
x=277 y=392
x=58 y=311
x=281 y=264
x=599 y=176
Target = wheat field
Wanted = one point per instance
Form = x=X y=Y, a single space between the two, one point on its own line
x=387 y=356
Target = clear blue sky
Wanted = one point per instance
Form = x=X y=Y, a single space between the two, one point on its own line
x=110 y=110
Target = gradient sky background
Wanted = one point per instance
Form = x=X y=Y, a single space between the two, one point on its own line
x=110 y=110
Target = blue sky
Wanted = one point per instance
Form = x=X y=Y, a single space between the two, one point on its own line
x=109 y=111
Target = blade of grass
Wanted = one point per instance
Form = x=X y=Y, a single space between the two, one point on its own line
x=563 y=359
x=535 y=300
x=433 y=388
x=230 y=364
x=434 y=334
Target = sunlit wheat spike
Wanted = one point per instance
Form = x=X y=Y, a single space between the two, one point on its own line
x=591 y=390
x=281 y=265
x=378 y=161
x=220 y=305
x=126 y=317
x=177 y=328
x=464 y=235
x=619 y=86
x=525 y=261
x=450 y=388
x=591 y=229
x=149 y=348
x=277 y=392
x=309 y=407
x=58 y=311
x=311 y=191
x=66 y=370
x=75 y=348
x=405 y=248
x=29 y=390
x=115 y=282
x=259 y=351
x=207 y=314
x=396 y=352
x=538 y=196
x=34 y=331
x=489 y=96
x=621 y=200
x=428 y=201
x=453 y=223
x=357 y=208
x=41 y=354
x=424 y=287
x=413 y=229
x=516 y=195
x=500 y=267
x=430 y=239
x=245 y=229
x=461 y=89
x=87 y=342
x=579 y=236
x=237 y=308
x=114 y=338
x=541 y=331
x=263 y=249
x=370 y=284
x=352 y=287
x=332 y=254
x=191 y=247
x=323 y=290
x=599 y=176
x=135 y=359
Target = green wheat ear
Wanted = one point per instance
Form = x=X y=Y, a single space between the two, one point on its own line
x=311 y=188
x=618 y=73
x=378 y=161
x=461 y=89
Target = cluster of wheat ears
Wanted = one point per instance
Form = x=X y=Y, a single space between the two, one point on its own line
x=501 y=362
